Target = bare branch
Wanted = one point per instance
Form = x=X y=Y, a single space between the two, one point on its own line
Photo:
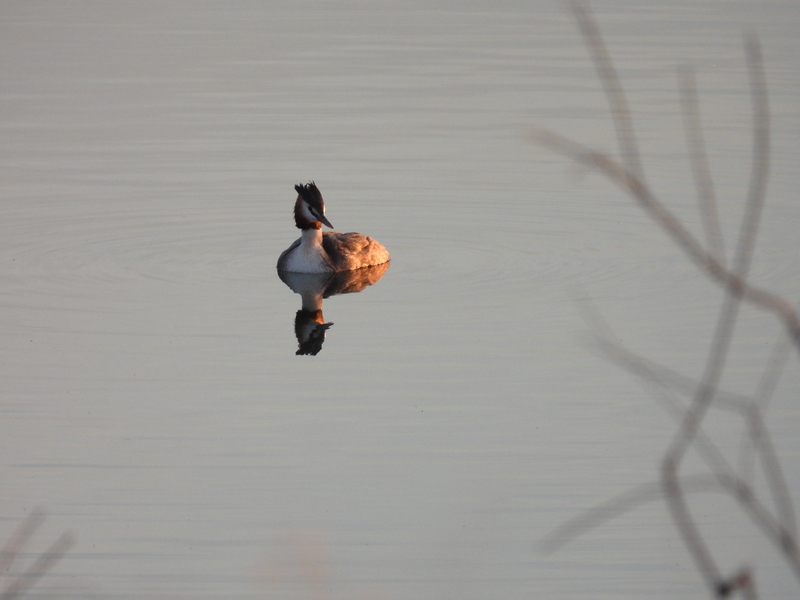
x=616 y=173
x=629 y=176
x=21 y=537
x=620 y=113
x=617 y=506
x=699 y=161
x=39 y=568
x=725 y=324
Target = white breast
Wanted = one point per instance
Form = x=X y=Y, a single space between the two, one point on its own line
x=302 y=261
x=308 y=256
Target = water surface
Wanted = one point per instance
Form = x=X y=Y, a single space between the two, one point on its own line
x=152 y=399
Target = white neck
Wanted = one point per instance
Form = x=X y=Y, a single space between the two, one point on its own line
x=308 y=257
x=310 y=238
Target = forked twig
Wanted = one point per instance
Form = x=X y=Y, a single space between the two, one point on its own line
x=756 y=443
x=695 y=251
x=649 y=492
x=758 y=438
x=699 y=161
x=621 y=114
x=629 y=175
x=670 y=384
x=723 y=333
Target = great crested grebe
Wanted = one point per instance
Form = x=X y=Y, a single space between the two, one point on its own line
x=328 y=252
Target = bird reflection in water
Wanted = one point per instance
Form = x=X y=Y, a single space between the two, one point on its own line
x=309 y=324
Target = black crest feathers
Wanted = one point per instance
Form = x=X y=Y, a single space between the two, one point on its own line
x=310 y=193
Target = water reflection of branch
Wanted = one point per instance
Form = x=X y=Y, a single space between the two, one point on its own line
x=629 y=175
x=28 y=578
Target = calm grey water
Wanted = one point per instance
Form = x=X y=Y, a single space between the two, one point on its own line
x=152 y=402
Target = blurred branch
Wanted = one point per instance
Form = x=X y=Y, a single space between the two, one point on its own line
x=21 y=537
x=723 y=333
x=44 y=563
x=616 y=173
x=629 y=176
x=621 y=114
x=699 y=161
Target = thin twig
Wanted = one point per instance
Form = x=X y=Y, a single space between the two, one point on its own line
x=21 y=537
x=723 y=333
x=616 y=506
x=667 y=380
x=695 y=251
x=39 y=568
x=773 y=473
x=648 y=492
x=756 y=443
x=699 y=161
x=630 y=177
x=670 y=382
x=621 y=114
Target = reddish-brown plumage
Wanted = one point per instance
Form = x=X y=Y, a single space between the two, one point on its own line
x=321 y=252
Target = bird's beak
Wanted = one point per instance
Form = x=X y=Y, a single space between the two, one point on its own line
x=319 y=216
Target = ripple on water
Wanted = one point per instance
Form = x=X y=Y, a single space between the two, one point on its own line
x=70 y=254
x=73 y=253
x=535 y=250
